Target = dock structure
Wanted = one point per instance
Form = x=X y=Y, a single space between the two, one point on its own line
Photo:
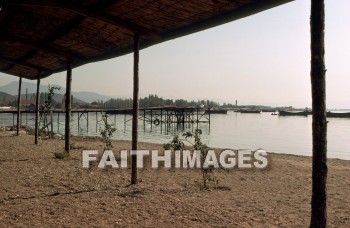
x=154 y=116
x=168 y=115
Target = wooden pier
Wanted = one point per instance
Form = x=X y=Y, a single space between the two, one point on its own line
x=166 y=115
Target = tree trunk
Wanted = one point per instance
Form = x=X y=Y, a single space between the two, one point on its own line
x=319 y=121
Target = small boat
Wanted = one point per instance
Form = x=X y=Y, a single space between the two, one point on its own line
x=274 y=114
x=293 y=113
x=216 y=111
x=250 y=111
x=338 y=114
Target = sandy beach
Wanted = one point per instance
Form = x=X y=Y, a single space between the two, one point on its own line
x=39 y=190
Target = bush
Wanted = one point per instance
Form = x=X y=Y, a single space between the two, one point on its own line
x=177 y=144
x=107 y=131
x=62 y=155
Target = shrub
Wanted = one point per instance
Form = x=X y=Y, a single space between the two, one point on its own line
x=62 y=155
x=177 y=144
x=107 y=131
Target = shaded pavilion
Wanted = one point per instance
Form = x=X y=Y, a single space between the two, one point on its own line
x=39 y=38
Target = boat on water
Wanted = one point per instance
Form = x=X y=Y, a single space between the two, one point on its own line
x=250 y=111
x=293 y=113
x=338 y=114
x=216 y=111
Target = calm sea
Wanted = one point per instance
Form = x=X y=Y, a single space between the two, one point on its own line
x=289 y=135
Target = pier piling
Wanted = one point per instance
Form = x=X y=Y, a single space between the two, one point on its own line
x=37 y=101
x=19 y=105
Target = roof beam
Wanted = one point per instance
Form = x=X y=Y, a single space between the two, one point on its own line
x=12 y=40
x=132 y=27
x=26 y=65
x=94 y=12
x=44 y=43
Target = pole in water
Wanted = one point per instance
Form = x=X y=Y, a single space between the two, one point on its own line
x=58 y=121
x=51 y=122
x=96 y=121
x=151 y=119
x=87 y=122
x=37 y=101
x=19 y=105
x=78 y=123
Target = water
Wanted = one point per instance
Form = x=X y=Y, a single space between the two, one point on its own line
x=287 y=134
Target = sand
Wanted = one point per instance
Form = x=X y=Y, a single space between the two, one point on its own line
x=38 y=190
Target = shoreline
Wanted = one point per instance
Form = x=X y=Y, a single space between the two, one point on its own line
x=39 y=190
x=25 y=129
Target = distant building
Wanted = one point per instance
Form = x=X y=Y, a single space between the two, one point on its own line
x=28 y=105
x=5 y=107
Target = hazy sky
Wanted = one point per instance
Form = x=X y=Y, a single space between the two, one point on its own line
x=261 y=59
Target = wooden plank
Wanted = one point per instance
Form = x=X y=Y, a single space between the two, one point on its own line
x=95 y=12
x=44 y=43
x=26 y=65
x=12 y=40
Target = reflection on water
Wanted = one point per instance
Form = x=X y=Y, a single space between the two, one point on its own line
x=287 y=134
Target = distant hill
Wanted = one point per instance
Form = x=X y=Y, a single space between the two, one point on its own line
x=12 y=88
x=81 y=97
x=57 y=97
x=89 y=96
x=6 y=97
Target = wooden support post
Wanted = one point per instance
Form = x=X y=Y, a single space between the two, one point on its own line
x=209 y=119
x=135 y=111
x=96 y=121
x=151 y=118
x=37 y=101
x=19 y=105
x=161 y=116
x=144 y=119
x=51 y=123
x=319 y=121
x=58 y=121
x=124 y=121
x=183 y=118
x=78 y=122
x=13 y=120
x=161 y=120
x=68 y=106
x=87 y=122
